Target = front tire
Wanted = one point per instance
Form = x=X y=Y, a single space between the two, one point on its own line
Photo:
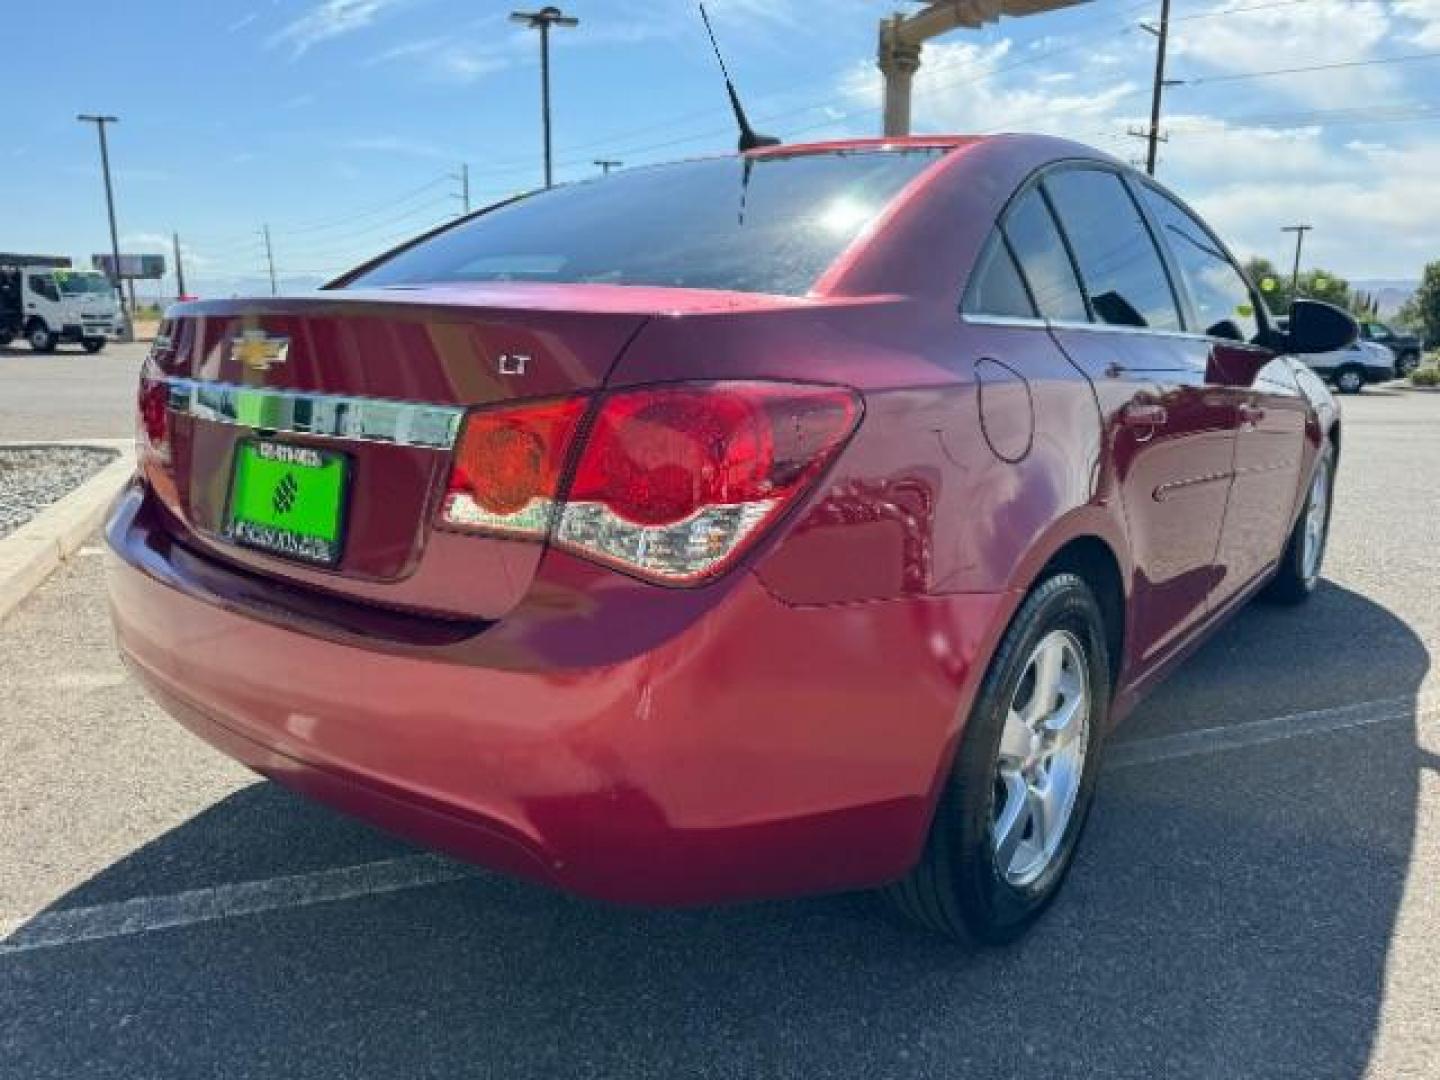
x=1299 y=572
x=93 y=345
x=42 y=339
x=1012 y=811
x=1350 y=380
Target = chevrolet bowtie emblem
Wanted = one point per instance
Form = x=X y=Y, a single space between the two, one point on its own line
x=258 y=351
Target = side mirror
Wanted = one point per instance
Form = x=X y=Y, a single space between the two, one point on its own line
x=1317 y=327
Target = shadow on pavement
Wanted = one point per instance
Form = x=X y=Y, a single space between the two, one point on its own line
x=1229 y=916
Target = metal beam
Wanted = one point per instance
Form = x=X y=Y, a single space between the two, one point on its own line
x=902 y=36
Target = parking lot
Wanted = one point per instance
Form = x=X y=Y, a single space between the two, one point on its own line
x=1258 y=893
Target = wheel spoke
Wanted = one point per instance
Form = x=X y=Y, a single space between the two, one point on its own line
x=1009 y=828
x=1048 y=663
x=1045 y=810
x=1061 y=724
x=1014 y=740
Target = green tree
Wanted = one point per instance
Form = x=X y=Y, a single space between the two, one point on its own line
x=1273 y=286
x=1422 y=310
x=1323 y=285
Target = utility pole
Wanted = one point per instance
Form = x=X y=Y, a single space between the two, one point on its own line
x=100 y=122
x=543 y=20
x=1299 y=231
x=606 y=164
x=1162 y=40
x=269 y=258
x=179 y=268
x=463 y=176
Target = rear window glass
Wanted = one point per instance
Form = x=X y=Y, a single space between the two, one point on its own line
x=768 y=225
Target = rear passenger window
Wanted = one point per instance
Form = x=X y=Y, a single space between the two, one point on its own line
x=1223 y=303
x=995 y=286
x=1119 y=264
x=1035 y=239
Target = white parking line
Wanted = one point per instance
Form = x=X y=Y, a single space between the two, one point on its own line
x=1214 y=740
x=144 y=914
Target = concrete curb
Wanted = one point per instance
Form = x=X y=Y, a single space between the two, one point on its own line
x=32 y=552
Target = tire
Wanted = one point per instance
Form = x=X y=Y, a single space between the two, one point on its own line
x=958 y=888
x=1299 y=573
x=42 y=339
x=93 y=345
x=1405 y=365
x=5 y=338
x=1350 y=380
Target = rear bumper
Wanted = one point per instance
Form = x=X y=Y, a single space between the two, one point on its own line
x=762 y=750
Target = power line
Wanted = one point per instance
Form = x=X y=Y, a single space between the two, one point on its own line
x=1306 y=69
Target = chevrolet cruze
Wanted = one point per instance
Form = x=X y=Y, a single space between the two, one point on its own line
x=795 y=521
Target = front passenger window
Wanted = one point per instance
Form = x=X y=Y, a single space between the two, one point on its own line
x=1224 y=305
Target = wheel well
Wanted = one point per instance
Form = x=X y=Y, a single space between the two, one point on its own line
x=1334 y=437
x=1090 y=558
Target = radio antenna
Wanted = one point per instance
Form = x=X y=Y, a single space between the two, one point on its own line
x=749 y=140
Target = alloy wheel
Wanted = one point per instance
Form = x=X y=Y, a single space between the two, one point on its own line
x=1041 y=759
x=1317 y=515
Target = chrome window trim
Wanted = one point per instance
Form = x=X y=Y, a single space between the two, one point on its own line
x=1105 y=328
x=323 y=416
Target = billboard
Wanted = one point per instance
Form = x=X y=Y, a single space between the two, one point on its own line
x=142 y=267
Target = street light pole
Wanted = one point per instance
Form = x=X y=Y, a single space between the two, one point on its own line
x=100 y=122
x=543 y=20
x=179 y=269
x=1299 y=231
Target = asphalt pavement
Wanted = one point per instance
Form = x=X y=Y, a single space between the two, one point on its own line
x=68 y=394
x=1258 y=894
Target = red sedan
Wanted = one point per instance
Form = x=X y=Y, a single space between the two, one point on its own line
x=741 y=527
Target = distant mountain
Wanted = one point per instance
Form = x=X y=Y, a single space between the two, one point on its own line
x=1389 y=293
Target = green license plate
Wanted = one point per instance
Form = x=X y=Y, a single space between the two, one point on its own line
x=288 y=500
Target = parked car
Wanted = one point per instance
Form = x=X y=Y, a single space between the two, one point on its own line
x=742 y=527
x=1406 y=347
x=1354 y=367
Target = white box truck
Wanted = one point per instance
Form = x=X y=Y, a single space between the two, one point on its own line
x=46 y=302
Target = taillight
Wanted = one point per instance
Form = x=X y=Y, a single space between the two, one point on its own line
x=508 y=467
x=153 y=416
x=672 y=483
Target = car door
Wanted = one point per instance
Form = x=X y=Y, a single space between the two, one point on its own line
x=1168 y=438
x=1261 y=386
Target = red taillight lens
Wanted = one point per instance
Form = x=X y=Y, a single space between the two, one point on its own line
x=674 y=482
x=153 y=416
x=508 y=467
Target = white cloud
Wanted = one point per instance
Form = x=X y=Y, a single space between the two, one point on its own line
x=327 y=20
x=966 y=87
x=1424 y=16
x=445 y=60
x=1290 y=36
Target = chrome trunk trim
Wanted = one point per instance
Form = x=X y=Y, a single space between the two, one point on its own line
x=326 y=416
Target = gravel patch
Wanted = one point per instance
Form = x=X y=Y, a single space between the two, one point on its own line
x=33 y=477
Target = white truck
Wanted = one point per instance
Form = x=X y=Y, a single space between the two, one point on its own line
x=46 y=302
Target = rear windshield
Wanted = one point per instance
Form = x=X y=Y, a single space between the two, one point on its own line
x=766 y=225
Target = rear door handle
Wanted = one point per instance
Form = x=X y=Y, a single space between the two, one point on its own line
x=1143 y=414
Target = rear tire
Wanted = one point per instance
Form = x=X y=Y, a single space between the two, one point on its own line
x=1299 y=572
x=1405 y=366
x=985 y=875
x=1350 y=380
x=93 y=345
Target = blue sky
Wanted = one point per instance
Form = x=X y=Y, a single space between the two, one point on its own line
x=337 y=121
